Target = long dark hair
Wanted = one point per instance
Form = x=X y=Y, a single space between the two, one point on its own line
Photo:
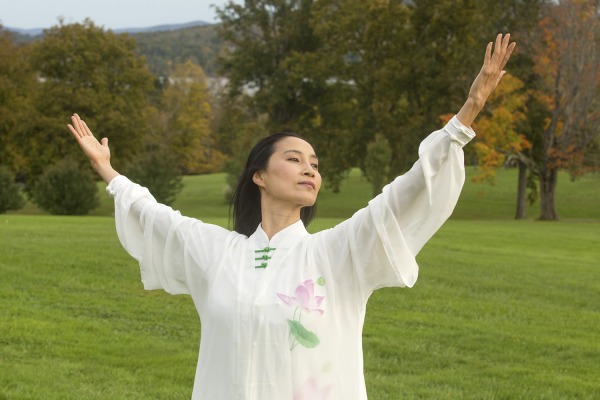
x=246 y=197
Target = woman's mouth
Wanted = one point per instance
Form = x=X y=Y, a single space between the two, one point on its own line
x=307 y=183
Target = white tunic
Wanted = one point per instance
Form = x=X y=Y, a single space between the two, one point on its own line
x=282 y=318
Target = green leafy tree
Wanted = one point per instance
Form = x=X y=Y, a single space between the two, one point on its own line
x=267 y=38
x=377 y=163
x=96 y=73
x=156 y=169
x=273 y=57
x=18 y=84
x=362 y=60
x=237 y=130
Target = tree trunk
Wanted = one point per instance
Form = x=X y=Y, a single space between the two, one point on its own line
x=522 y=191
x=548 y=179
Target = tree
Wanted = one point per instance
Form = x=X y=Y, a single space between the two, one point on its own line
x=96 y=73
x=445 y=53
x=567 y=63
x=17 y=86
x=498 y=140
x=377 y=163
x=236 y=130
x=361 y=65
x=156 y=169
x=273 y=63
x=188 y=112
x=267 y=38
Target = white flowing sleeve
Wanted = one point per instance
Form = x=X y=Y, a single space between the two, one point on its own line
x=174 y=252
x=380 y=242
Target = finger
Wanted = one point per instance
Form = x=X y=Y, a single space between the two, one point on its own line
x=509 y=51
x=104 y=142
x=488 y=54
x=505 y=42
x=498 y=41
x=74 y=132
x=77 y=129
x=86 y=129
x=77 y=124
x=497 y=49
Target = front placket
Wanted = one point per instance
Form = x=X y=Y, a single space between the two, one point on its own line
x=263 y=256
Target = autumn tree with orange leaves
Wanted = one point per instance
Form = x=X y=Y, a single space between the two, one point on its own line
x=499 y=139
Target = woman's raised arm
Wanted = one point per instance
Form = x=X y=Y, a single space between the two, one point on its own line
x=97 y=152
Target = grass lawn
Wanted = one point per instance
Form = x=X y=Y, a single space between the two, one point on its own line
x=503 y=309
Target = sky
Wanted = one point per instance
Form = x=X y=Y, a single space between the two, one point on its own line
x=111 y=14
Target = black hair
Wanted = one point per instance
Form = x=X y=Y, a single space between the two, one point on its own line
x=246 y=197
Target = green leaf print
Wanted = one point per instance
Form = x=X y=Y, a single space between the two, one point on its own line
x=303 y=336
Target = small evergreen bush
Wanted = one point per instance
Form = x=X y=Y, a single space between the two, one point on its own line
x=65 y=188
x=377 y=163
x=157 y=170
x=10 y=193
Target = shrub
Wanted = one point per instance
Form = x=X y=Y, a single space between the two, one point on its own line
x=157 y=170
x=10 y=193
x=377 y=163
x=65 y=188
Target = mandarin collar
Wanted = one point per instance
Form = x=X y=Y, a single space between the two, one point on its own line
x=284 y=238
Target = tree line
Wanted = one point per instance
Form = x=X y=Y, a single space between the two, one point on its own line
x=356 y=77
x=363 y=80
x=158 y=126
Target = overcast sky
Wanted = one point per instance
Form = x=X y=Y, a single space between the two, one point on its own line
x=111 y=14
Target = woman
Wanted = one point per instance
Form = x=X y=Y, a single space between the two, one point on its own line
x=282 y=310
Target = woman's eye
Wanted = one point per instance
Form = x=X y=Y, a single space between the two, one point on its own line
x=293 y=159
x=315 y=166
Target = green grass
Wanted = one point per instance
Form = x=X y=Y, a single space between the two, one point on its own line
x=503 y=309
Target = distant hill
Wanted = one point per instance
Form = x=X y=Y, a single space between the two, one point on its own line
x=27 y=32
x=162 y=28
x=163 y=49
x=162 y=45
x=157 y=28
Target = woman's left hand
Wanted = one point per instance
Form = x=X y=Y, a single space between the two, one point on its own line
x=488 y=78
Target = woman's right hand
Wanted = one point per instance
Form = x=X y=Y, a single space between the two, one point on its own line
x=97 y=152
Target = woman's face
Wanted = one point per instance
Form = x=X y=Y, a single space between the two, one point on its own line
x=292 y=176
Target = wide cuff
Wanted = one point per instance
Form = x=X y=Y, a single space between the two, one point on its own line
x=116 y=184
x=458 y=132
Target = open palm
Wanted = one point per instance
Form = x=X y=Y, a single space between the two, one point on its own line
x=97 y=152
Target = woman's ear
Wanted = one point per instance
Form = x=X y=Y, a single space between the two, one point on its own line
x=258 y=179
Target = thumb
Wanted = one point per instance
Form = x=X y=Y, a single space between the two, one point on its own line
x=502 y=73
x=104 y=142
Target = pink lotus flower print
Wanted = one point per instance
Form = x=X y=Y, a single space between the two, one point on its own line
x=310 y=390
x=304 y=298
